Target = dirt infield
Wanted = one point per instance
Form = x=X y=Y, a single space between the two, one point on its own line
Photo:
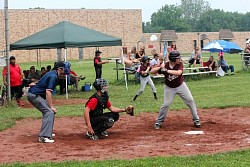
x=130 y=137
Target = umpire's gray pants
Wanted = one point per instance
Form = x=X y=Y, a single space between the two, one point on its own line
x=48 y=115
x=144 y=81
x=169 y=94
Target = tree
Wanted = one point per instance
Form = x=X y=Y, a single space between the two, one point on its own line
x=217 y=19
x=169 y=17
x=245 y=22
x=193 y=9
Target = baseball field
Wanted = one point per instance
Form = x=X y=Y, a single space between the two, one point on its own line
x=223 y=139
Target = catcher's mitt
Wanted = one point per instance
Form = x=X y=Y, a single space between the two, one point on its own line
x=130 y=110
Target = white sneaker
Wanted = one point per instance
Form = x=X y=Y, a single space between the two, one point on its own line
x=45 y=140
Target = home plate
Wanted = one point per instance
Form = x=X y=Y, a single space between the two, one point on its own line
x=194 y=132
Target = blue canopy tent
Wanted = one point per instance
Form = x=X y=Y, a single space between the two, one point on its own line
x=222 y=45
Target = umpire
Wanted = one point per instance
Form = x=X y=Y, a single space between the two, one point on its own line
x=40 y=96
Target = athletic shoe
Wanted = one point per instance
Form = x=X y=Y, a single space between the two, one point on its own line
x=45 y=140
x=82 y=77
x=232 y=73
x=197 y=124
x=104 y=133
x=92 y=137
x=157 y=125
x=53 y=135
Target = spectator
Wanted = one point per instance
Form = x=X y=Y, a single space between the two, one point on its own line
x=98 y=64
x=247 y=54
x=48 y=68
x=15 y=80
x=140 y=54
x=129 y=57
x=195 y=58
x=43 y=71
x=173 y=47
x=223 y=64
x=210 y=64
x=33 y=75
x=155 y=62
x=75 y=79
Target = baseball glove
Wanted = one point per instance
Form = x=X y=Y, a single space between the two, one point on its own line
x=130 y=110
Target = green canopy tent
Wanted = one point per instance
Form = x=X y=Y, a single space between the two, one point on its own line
x=65 y=35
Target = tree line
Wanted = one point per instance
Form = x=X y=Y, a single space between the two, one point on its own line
x=195 y=16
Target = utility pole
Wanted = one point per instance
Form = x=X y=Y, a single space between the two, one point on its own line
x=7 y=48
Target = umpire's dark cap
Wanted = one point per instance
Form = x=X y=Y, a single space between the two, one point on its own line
x=59 y=64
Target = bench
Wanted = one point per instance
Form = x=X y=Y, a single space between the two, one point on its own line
x=186 y=74
x=125 y=70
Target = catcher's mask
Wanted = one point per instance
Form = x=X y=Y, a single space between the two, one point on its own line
x=173 y=55
x=101 y=84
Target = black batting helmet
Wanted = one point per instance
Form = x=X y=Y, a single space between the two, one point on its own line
x=144 y=59
x=173 y=55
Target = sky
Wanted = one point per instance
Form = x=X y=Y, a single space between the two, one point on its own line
x=148 y=6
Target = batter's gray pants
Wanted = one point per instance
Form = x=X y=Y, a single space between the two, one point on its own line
x=144 y=81
x=169 y=94
x=48 y=115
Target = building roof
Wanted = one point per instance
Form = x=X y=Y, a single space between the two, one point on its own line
x=168 y=35
x=226 y=34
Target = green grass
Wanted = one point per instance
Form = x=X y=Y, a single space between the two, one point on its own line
x=208 y=92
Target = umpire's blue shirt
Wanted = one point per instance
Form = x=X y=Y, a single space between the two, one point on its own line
x=47 y=82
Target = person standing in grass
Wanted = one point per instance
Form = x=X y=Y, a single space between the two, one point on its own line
x=145 y=78
x=98 y=64
x=15 y=80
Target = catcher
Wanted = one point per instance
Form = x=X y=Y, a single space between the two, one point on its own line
x=96 y=120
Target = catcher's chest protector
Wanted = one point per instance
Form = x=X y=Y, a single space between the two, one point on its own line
x=100 y=104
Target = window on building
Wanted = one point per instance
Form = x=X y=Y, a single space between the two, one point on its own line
x=195 y=43
x=202 y=43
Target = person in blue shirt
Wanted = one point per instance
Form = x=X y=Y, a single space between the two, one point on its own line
x=224 y=65
x=40 y=96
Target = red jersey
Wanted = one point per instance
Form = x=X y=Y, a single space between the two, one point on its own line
x=15 y=75
x=93 y=103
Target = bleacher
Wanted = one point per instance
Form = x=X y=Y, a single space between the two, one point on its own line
x=188 y=71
